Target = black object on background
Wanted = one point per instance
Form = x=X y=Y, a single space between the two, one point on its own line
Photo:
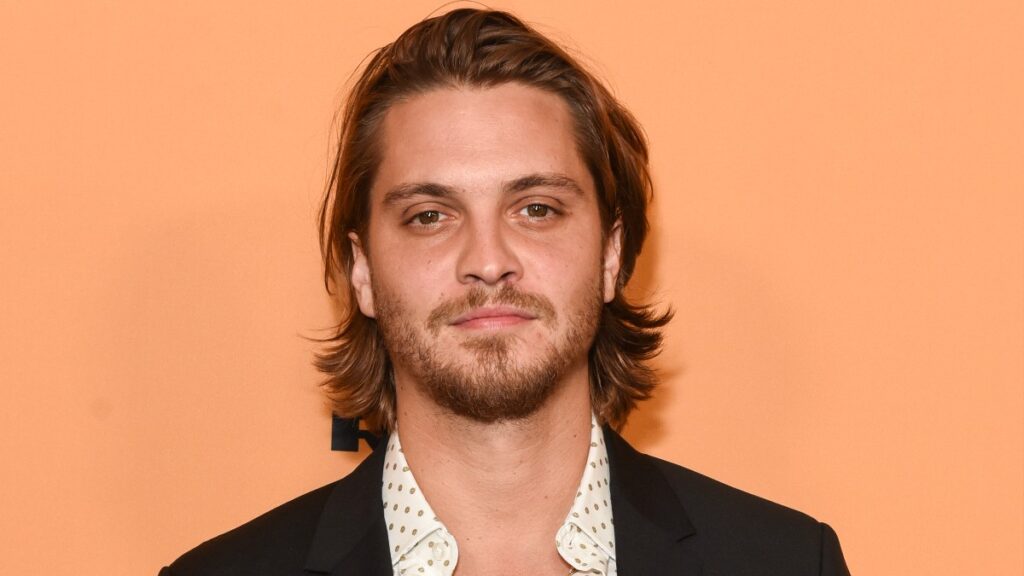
x=345 y=435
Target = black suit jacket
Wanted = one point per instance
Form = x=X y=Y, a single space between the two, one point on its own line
x=668 y=521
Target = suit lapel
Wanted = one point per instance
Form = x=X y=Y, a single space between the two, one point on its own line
x=351 y=538
x=653 y=534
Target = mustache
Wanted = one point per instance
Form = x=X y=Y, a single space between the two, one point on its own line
x=478 y=296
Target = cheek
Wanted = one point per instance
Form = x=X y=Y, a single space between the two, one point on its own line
x=567 y=268
x=417 y=280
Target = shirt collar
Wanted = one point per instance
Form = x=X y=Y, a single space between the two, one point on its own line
x=409 y=518
x=589 y=522
x=411 y=521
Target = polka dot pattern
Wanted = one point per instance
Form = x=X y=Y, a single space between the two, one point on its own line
x=420 y=544
x=586 y=540
x=418 y=540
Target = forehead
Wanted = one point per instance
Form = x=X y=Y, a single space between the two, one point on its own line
x=470 y=136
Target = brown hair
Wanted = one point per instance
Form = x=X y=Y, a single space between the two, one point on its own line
x=470 y=47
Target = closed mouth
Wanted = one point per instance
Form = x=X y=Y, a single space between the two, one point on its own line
x=493 y=315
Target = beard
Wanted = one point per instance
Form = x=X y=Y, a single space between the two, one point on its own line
x=489 y=384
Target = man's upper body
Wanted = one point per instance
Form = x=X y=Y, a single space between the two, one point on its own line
x=668 y=521
x=486 y=211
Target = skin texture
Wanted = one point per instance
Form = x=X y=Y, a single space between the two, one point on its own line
x=486 y=267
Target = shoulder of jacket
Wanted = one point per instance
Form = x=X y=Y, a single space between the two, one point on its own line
x=716 y=508
x=266 y=544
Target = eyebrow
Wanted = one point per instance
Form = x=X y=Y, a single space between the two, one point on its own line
x=543 y=180
x=435 y=190
x=410 y=189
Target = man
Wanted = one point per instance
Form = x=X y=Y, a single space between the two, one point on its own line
x=486 y=209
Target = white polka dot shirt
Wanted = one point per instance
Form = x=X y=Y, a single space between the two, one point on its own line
x=420 y=544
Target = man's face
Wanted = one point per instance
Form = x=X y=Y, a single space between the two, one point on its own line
x=485 y=263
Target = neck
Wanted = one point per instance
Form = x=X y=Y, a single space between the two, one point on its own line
x=512 y=477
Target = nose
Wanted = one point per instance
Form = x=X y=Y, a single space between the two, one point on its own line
x=487 y=257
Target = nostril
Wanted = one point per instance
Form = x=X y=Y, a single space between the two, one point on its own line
x=487 y=256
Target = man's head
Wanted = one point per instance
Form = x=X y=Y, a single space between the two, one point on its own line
x=486 y=208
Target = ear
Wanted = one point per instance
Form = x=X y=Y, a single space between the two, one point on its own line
x=612 y=261
x=360 y=277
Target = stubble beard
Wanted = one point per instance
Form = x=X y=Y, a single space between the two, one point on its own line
x=490 y=384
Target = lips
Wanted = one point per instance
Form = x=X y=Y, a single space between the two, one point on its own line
x=486 y=308
x=493 y=317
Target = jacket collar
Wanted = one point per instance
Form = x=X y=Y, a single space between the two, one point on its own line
x=351 y=537
x=653 y=534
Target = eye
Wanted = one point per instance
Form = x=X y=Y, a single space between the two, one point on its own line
x=537 y=210
x=426 y=218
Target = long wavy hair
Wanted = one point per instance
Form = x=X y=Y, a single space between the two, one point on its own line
x=481 y=48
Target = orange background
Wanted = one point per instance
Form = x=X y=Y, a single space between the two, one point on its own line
x=838 y=223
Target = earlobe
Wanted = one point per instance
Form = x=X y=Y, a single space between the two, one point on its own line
x=612 y=261
x=360 y=277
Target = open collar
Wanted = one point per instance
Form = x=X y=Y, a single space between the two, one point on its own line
x=653 y=534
